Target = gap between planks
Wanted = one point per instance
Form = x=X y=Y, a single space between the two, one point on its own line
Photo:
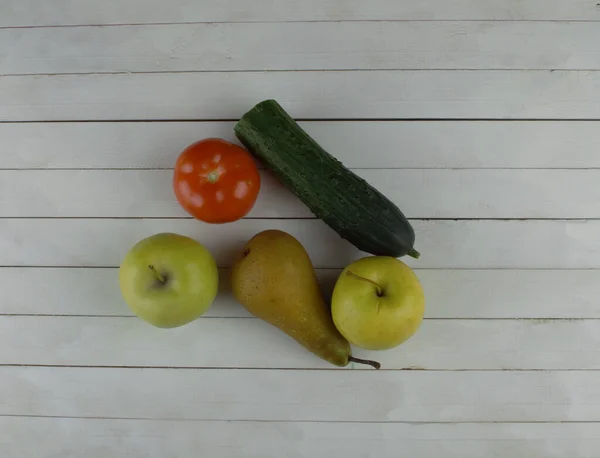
x=303 y=70
x=284 y=218
x=297 y=119
x=297 y=21
x=391 y=422
x=152 y=169
x=533 y=320
x=280 y=369
x=512 y=269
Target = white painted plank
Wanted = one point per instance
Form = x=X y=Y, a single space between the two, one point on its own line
x=301 y=46
x=399 y=144
x=252 y=343
x=99 y=438
x=72 y=12
x=441 y=194
x=511 y=293
x=449 y=293
x=443 y=244
x=318 y=95
x=335 y=395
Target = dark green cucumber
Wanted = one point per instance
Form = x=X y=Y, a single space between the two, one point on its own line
x=357 y=211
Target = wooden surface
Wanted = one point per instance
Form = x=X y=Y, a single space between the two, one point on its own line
x=480 y=119
x=346 y=94
x=365 y=45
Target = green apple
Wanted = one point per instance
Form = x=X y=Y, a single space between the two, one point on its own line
x=168 y=279
x=377 y=303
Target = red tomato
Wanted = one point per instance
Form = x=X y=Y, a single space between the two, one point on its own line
x=216 y=181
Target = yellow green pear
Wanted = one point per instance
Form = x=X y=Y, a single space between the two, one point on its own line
x=274 y=279
x=377 y=303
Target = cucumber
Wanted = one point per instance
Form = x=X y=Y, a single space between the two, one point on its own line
x=350 y=206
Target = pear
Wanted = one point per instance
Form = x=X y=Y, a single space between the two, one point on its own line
x=274 y=279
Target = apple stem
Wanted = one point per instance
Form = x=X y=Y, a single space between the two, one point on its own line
x=375 y=364
x=158 y=276
x=379 y=288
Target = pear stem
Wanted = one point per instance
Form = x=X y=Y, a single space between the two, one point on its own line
x=158 y=276
x=379 y=288
x=375 y=364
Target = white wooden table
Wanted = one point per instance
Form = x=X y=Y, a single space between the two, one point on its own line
x=478 y=117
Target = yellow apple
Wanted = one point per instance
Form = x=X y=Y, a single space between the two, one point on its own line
x=168 y=279
x=377 y=303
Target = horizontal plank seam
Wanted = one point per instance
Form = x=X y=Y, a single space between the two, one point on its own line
x=285 y=218
x=303 y=70
x=295 y=21
x=242 y=420
x=324 y=120
x=279 y=369
x=533 y=320
x=309 y=70
x=514 y=269
x=152 y=169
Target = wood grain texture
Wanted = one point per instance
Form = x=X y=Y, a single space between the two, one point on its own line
x=301 y=46
x=306 y=95
x=336 y=395
x=442 y=194
x=443 y=244
x=359 y=144
x=439 y=101
x=252 y=343
x=72 y=12
x=449 y=293
x=98 y=438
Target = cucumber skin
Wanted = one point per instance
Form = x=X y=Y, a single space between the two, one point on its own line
x=350 y=206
